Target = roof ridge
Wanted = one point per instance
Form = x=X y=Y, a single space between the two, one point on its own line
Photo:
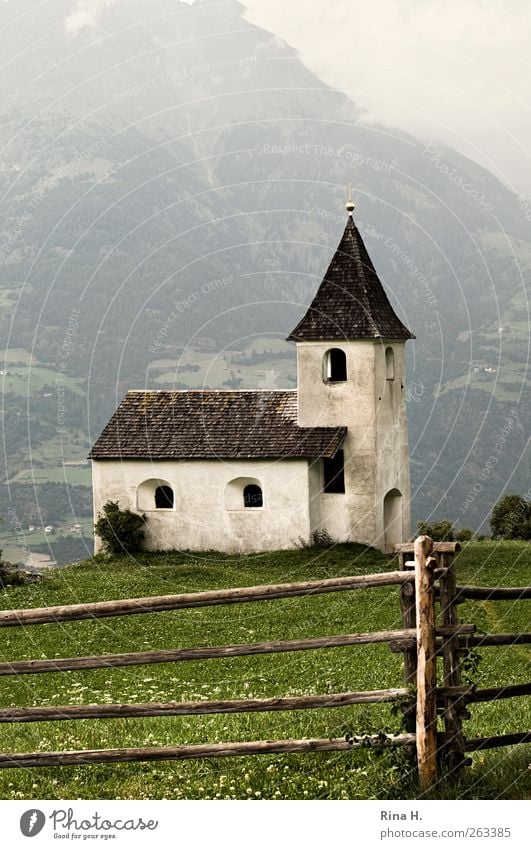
x=190 y=391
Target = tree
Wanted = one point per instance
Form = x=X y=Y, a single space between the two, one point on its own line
x=121 y=531
x=511 y=518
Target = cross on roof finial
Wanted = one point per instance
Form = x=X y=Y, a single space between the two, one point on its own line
x=349 y=206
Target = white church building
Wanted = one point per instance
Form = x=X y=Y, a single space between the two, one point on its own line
x=245 y=471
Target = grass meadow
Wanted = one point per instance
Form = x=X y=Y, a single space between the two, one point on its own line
x=361 y=774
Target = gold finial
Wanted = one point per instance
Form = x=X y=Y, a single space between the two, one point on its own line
x=349 y=206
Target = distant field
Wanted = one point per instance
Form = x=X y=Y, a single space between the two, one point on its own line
x=500 y=384
x=71 y=474
x=22 y=380
x=15 y=355
x=265 y=362
x=360 y=775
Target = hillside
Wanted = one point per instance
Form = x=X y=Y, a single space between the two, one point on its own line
x=500 y=773
x=172 y=190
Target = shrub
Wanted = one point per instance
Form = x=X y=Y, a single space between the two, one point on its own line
x=121 y=531
x=438 y=531
x=322 y=538
x=464 y=534
x=511 y=518
x=12 y=576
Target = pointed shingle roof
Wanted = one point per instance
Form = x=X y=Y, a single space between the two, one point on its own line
x=177 y=425
x=351 y=302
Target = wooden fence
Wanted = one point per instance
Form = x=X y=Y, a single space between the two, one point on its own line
x=435 y=582
x=422 y=582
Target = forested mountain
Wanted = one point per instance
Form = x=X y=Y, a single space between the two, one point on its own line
x=173 y=186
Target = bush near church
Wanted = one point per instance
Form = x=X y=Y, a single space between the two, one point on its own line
x=444 y=531
x=121 y=531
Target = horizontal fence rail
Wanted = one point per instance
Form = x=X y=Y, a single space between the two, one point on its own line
x=157 y=604
x=492 y=593
x=438 y=547
x=334 y=700
x=481 y=640
x=213 y=750
x=491 y=694
x=227 y=706
x=33 y=667
x=496 y=742
x=466 y=641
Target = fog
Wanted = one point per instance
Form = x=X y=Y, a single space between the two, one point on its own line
x=454 y=70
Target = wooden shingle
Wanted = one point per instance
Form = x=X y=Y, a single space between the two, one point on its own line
x=207 y=424
x=351 y=302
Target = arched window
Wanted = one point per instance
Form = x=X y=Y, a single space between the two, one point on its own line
x=335 y=365
x=334 y=473
x=155 y=494
x=243 y=493
x=164 y=498
x=392 y=518
x=389 y=364
x=252 y=496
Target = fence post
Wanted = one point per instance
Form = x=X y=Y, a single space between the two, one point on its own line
x=426 y=664
x=453 y=712
x=409 y=620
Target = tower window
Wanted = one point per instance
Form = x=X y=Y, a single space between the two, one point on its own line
x=252 y=496
x=164 y=498
x=335 y=365
x=334 y=473
x=389 y=364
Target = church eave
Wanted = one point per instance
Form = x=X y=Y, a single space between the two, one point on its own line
x=318 y=336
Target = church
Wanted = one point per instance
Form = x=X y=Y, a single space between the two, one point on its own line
x=250 y=471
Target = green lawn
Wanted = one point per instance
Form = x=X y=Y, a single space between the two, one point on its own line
x=357 y=775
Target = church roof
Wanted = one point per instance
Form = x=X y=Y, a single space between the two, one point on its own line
x=351 y=302
x=212 y=424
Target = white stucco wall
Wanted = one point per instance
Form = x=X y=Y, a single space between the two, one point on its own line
x=376 y=450
x=392 y=452
x=200 y=519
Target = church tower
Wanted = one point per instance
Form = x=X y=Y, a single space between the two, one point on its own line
x=351 y=372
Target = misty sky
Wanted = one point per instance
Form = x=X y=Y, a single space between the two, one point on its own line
x=455 y=70
x=458 y=70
